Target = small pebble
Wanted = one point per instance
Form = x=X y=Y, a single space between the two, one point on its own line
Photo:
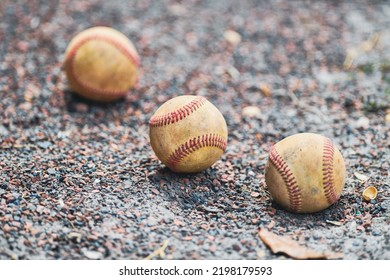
x=236 y=247
x=51 y=171
x=251 y=111
x=232 y=37
x=363 y=122
x=44 y=144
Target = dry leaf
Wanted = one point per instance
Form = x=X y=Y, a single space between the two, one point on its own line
x=361 y=177
x=281 y=244
x=370 y=193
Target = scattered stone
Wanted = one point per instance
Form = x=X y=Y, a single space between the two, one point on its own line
x=251 y=111
x=3 y=131
x=232 y=37
x=363 y=122
x=387 y=118
x=92 y=255
x=75 y=236
x=81 y=107
x=51 y=171
x=155 y=191
x=44 y=144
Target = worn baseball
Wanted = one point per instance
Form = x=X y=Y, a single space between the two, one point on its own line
x=305 y=173
x=101 y=64
x=188 y=133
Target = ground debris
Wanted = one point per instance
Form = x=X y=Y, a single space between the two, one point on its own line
x=285 y=245
x=158 y=252
x=361 y=177
x=335 y=223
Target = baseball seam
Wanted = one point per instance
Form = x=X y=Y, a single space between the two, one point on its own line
x=206 y=140
x=178 y=114
x=327 y=169
x=113 y=42
x=294 y=193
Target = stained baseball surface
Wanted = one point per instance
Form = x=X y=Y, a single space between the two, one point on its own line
x=305 y=173
x=101 y=64
x=188 y=133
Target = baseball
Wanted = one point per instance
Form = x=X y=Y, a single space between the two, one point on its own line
x=305 y=173
x=101 y=64
x=188 y=133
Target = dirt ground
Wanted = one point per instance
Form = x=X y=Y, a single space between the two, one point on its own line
x=79 y=180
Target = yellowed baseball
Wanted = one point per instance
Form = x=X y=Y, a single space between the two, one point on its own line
x=101 y=64
x=188 y=133
x=305 y=173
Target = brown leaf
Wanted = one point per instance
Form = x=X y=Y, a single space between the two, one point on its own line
x=281 y=244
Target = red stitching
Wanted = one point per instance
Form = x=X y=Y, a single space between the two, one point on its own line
x=178 y=114
x=327 y=169
x=294 y=193
x=206 y=140
x=132 y=56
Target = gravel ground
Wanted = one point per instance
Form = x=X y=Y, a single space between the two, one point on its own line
x=79 y=180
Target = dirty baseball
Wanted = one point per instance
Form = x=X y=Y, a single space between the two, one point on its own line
x=101 y=64
x=188 y=133
x=305 y=173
